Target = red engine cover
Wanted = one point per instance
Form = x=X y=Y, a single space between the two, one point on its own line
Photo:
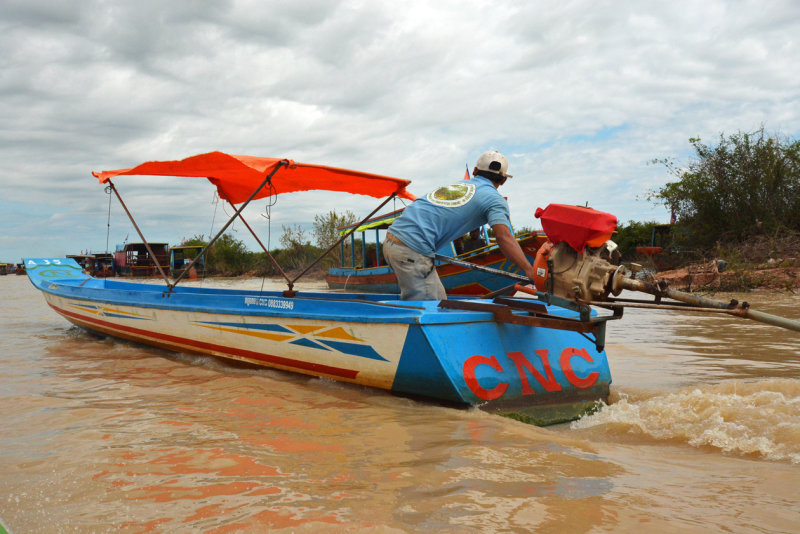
x=576 y=225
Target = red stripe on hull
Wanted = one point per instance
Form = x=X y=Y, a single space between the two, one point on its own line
x=388 y=278
x=469 y=290
x=136 y=334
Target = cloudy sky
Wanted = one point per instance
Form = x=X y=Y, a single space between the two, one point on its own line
x=580 y=96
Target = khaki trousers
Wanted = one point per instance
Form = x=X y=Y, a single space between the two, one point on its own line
x=416 y=273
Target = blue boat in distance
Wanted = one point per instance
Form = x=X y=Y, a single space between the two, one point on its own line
x=373 y=275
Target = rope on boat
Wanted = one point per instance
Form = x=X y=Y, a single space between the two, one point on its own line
x=490 y=270
x=214 y=201
x=141 y=235
x=108 y=222
x=267 y=181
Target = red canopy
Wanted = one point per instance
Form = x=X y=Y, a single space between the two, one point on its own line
x=236 y=177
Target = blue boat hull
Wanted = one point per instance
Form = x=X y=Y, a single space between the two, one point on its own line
x=419 y=349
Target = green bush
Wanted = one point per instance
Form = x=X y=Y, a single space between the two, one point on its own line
x=746 y=185
x=631 y=235
x=228 y=257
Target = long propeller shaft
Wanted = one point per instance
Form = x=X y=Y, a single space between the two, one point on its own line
x=732 y=308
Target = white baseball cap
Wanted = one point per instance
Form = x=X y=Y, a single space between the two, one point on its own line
x=493 y=161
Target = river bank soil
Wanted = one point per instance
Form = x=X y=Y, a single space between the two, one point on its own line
x=708 y=276
x=762 y=262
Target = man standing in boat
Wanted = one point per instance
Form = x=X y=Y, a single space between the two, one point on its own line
x=441 y=216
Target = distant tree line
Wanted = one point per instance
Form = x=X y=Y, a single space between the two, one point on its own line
x=744 y=186
x=229 y=256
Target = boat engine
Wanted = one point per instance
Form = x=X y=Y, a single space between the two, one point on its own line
x=579 y=261
x=584 y=276
x=581 y=264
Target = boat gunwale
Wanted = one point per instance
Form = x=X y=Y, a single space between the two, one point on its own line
x=72 y=289
x=422 y=315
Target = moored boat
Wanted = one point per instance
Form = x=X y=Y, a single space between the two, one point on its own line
x=141 y=259
x=181 y=256
x=86 y=261
x=372 y=274
x=658 y=254
x=103 y=265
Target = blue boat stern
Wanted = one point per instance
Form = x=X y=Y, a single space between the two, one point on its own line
x=537 y=375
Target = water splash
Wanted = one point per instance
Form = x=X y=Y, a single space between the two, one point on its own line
x=760 y=418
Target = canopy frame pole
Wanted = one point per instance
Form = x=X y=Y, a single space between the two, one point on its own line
x=222 y=231
x=274 y=261
x=136 y=226
x=364 y=249
x=290 y=293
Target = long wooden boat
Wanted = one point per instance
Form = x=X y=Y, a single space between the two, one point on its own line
x=103 y=265
x=181 y=256
x=372 y=274
x=537 y=362
x=467 y=354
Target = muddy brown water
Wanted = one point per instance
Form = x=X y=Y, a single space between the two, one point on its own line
x=702 y=434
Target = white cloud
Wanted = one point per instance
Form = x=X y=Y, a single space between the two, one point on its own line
x=580 y=96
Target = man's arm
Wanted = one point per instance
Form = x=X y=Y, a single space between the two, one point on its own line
x=511 y=249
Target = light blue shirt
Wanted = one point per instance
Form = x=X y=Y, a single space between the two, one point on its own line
x=441 y=216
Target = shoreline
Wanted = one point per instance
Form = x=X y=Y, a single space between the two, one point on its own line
x=704 y=277
x=707 y=277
